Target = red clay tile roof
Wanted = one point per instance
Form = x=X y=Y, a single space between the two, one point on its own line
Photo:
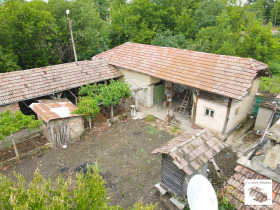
x=235 y=189
x=21 y=85
x=56 y=110
x=224 y=75
x=191 y=150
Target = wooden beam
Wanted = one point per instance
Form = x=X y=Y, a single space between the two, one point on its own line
x=195 y=111
x=171 y=95
x=227 y=115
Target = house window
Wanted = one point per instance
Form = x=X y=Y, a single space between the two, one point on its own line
x=209 y=112
x=237 y=111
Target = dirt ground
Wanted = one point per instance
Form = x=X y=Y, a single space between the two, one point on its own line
x=123 y=152
x=23 y=147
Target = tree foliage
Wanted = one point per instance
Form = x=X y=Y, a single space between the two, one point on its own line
x=8 y=61
x=88 y=106
x=105 y=94
x=36 y=33
x=87 y=192
x=12 y=122
x=110 y=94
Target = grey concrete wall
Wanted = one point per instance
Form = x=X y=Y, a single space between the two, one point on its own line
x=262 y=118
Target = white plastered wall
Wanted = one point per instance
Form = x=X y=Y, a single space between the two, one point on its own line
x=240 y=110
x=214 y=124
x=143 y=84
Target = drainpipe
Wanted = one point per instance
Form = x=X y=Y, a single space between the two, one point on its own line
x=227 y=115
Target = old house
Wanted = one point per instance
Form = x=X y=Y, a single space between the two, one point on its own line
x=219 y=90
x=62 y=80
x=59 y=126
x=185 y=156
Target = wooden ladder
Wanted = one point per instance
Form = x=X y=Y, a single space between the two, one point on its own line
x=185 y=102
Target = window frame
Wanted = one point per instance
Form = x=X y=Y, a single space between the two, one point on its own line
x=211 y=112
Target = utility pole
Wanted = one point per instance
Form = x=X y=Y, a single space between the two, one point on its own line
x=70 y=27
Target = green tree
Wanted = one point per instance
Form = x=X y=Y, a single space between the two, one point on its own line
x=275 y=13
x=107 y=94
x=110 y=95
x=258 y=43
x=87 y=192
x=90 y=32
x=185 y=24
x=166 y=39
x=28 y=30
x=11 y=122
x=207 y=12
x=8 y=61
x=88 y=106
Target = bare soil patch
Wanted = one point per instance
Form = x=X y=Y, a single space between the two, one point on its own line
x=123 y=153
x=23 y=147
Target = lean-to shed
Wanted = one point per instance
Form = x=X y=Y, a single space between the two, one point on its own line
x=185 y=156
x=60 y=126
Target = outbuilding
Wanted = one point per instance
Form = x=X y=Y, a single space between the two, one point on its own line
x=60 y=126
x=185 y=156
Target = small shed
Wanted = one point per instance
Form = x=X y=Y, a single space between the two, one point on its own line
x=265 y=111
x=185 y=156
x=60 y=126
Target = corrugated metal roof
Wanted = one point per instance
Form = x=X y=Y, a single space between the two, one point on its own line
x=191 y=150
x=21 y=85
x=57 y=110
x=235 y=192
x=224 y=75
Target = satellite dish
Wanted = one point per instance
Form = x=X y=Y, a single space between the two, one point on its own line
x=201 y=194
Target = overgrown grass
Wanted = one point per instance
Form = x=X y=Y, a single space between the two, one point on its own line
x=150 y=118
x=174 y=129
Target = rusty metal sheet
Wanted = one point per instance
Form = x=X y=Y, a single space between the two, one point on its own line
x=56 y=110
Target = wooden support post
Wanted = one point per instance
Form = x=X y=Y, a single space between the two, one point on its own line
x=15 y=148
x=76 y=101
x=227 y=115
x=89 y=121
x=112 y=112
x=171 y=95
x=195 y=111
